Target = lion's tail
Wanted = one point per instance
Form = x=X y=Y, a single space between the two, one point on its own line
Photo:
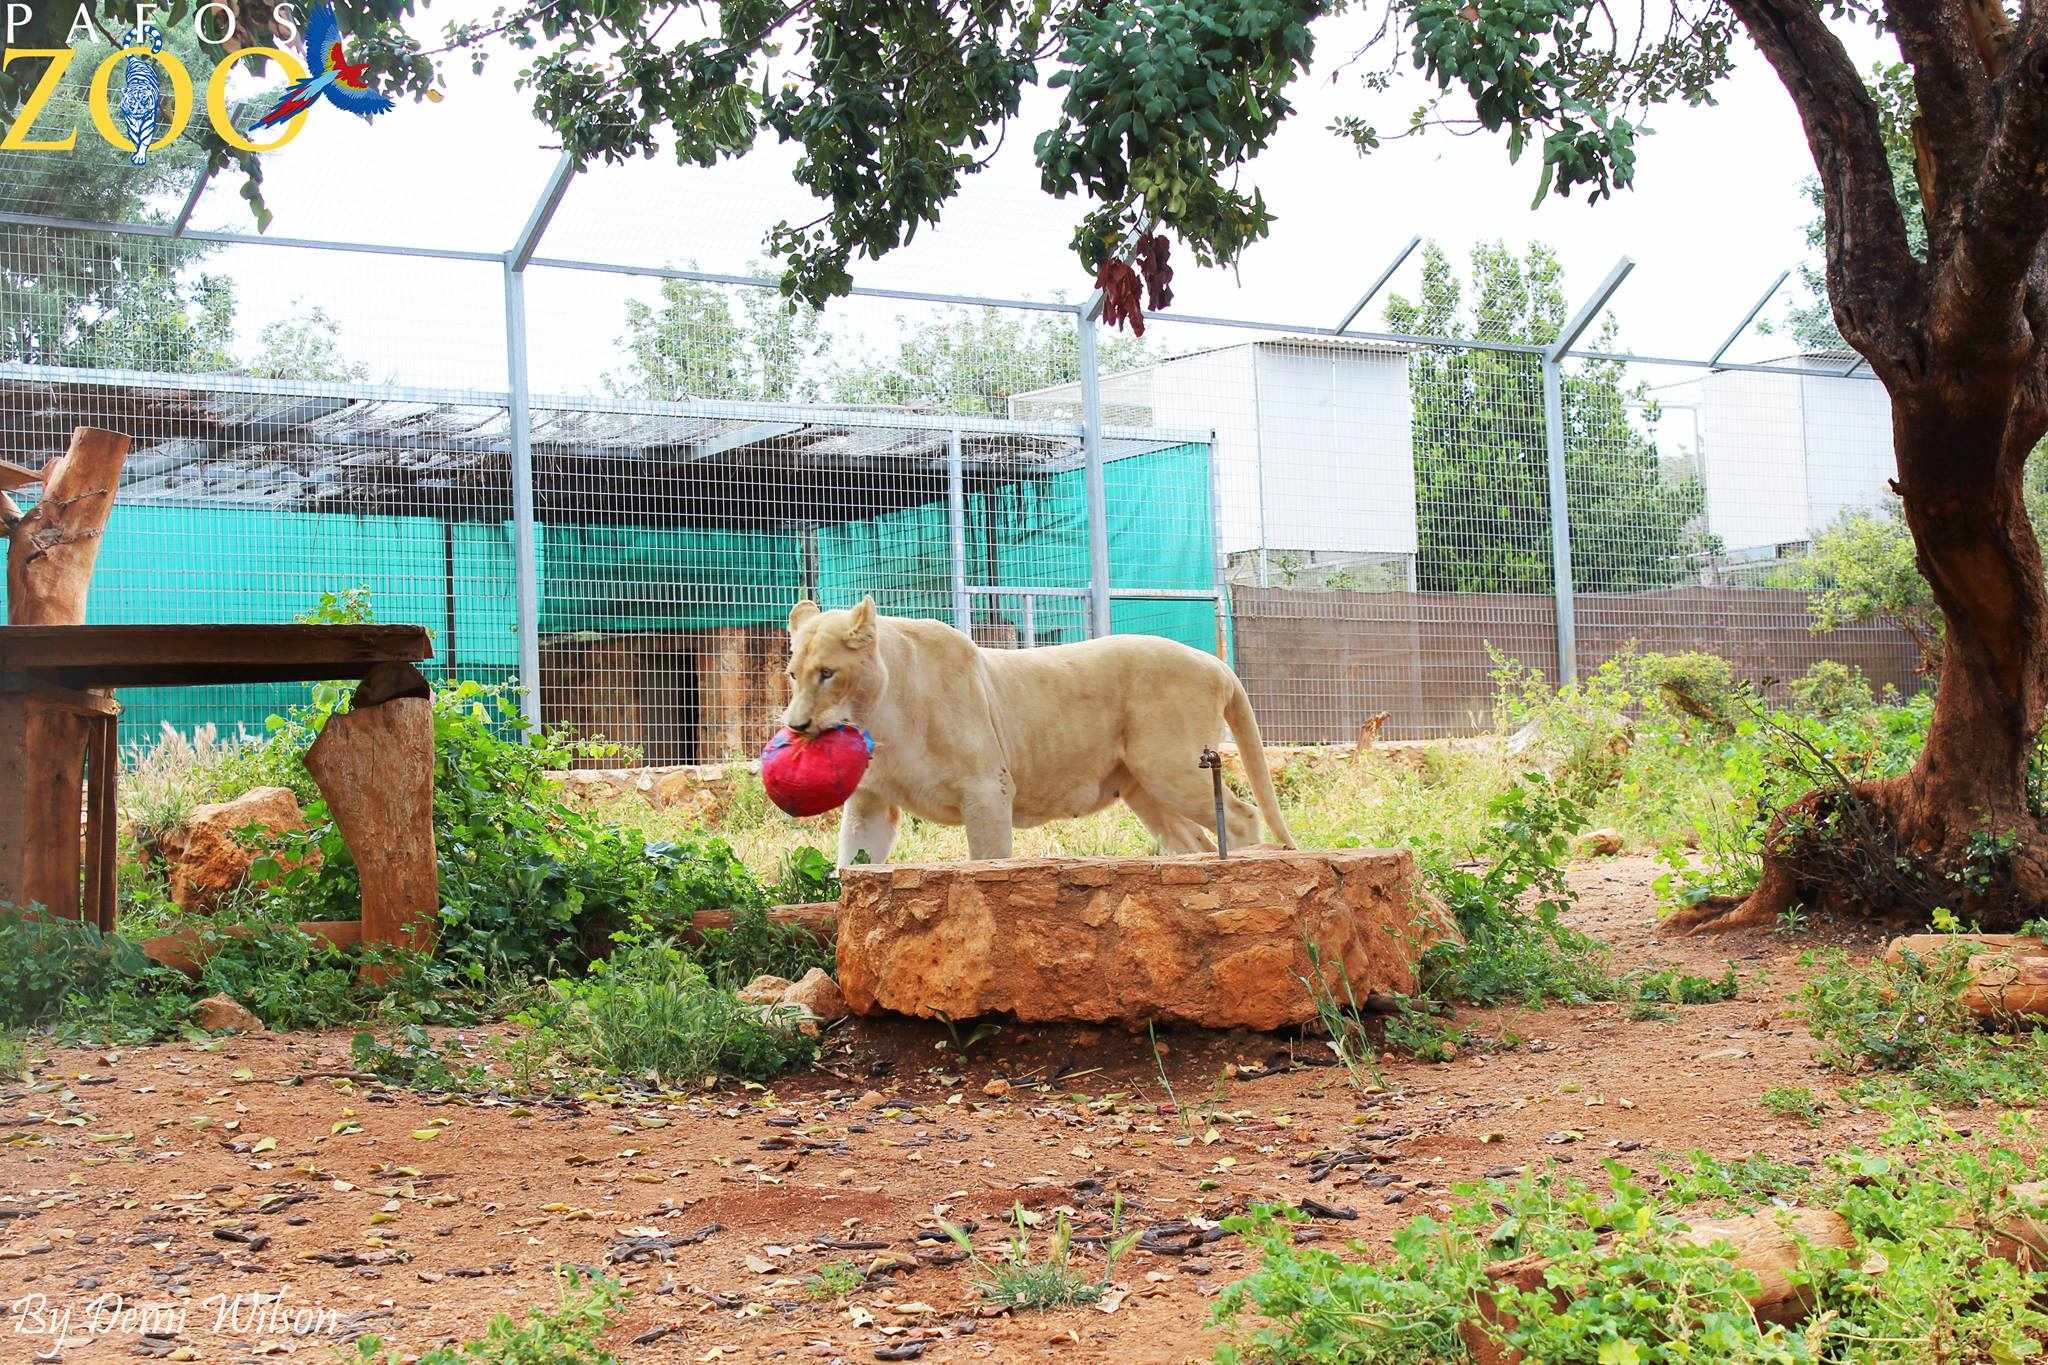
x=1244 y=728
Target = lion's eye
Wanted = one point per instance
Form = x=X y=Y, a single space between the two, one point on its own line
x=824 y=675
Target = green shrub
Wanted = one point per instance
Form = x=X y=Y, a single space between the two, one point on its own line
x=756 y=945
x=1903 y=1025
x=567 y=1335
x=1793 y=1102
x=1017 y=1280
x=651 y=1012
x=67 y=975
x=13 y=1056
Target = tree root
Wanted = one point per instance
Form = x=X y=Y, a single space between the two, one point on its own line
x=1866 y=852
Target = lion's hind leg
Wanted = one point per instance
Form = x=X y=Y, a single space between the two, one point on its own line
x=1175 y=832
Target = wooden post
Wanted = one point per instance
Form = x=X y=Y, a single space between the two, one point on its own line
x=47 y=736
x=52 y=547
x=375 y=765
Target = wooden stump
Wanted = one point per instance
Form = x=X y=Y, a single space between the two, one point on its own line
x=375 y=766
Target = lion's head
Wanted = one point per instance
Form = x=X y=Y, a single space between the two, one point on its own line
x=835 y=666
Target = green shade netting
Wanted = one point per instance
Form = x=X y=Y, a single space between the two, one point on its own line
x=204 y=565
x=167 y=563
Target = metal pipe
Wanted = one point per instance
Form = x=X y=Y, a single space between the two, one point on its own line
x=1379 y=284
x=1030 y=621
x=1214 y=764
x=1747 y=318
x=956 y=523
x=1091 y=450
x=771 y=282
x=525 y=557
x=1555 y=469
x=521 y=254
x=1560 y=523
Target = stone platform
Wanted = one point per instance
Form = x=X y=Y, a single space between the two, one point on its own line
x=1216 y=943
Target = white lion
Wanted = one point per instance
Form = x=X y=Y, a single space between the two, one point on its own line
x=993 y=739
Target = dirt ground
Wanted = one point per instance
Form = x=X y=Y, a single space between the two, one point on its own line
x=183 y=1203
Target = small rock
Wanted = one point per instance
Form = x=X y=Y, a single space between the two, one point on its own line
x=872 y=1097
x=222 y=1014
x=765 y=990
x=817 y=993
x=996 y=1088
x=1598 y=843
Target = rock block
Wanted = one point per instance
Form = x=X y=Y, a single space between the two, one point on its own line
x=1216 y=943
x=204 y=859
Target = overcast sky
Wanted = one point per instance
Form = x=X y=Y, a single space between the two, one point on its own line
x=1716 y=211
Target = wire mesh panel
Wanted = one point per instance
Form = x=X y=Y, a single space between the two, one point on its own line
x=1696 y=511
x=241 y=505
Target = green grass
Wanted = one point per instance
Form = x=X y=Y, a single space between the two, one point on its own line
x=1793 y=1102
x=13 y=1056
x=1920 y=1281
x=1058 y=1279
x=1902 y=1029
x=650 y=1011
x=835 y=1280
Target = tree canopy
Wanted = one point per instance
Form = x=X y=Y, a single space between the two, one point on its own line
x=692 y=342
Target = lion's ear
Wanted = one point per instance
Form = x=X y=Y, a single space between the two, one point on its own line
x=860 y=626
x=800 y=613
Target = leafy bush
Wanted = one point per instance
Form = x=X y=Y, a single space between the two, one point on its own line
x=1920 y=1282
x=13 y=1056
x=1516 y=946
x=67 y=974
x=1015 y=1280
x=651 y=1012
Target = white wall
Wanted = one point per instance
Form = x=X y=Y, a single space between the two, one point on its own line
x=1337 y=431
x=1788 y=454
x=1849 y=459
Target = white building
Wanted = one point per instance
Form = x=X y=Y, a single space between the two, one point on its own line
x=1315 y=459
x=1788 y=454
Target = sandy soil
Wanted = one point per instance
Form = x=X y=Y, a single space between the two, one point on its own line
x=191 y=1204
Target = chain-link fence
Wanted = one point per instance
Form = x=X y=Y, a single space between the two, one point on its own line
x=608 y=482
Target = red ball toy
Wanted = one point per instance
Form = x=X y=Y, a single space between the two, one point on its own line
x=811 y=774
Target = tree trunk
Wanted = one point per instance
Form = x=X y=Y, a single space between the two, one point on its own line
x=1977 y=550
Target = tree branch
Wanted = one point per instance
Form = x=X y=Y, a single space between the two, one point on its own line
x=1874 y=282
x=1979 y=306
x=1955 y=52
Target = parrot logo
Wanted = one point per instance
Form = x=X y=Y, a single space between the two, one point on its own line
x=333 y=77
x=140 y=108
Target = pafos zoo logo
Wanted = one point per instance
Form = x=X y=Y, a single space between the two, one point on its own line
x=134 y=116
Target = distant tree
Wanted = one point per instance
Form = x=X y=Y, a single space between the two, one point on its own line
x=303 y=346
x=1862 y=569
x=974 y=364
x=691 y=344
x=82 y=298
x=1481 y=465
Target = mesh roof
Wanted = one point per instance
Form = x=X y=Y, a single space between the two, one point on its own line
x=327 y=449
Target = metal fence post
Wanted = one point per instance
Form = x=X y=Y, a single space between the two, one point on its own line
x=1560 y=524
x=525 y=556
x=525 y=560
x=956 y=523
x=1554 y=462
x=1091 y=447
